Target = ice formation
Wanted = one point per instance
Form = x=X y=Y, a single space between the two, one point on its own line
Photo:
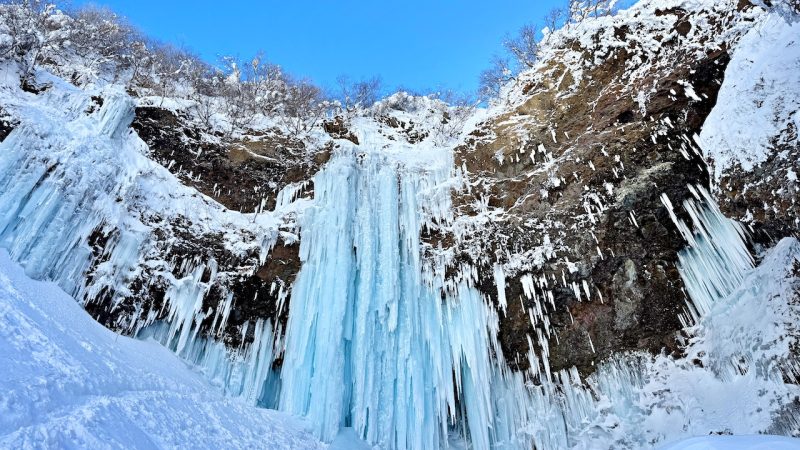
x=57 y=189
x=67 y=173
x=370 y=342
x=716 y=258
x=375 y=340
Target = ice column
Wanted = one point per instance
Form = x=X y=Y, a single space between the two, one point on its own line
x=58 y=183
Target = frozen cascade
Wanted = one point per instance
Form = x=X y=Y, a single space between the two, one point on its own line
x=55 y=194
x=66 y=174
x=716 y=259
x=370 y=342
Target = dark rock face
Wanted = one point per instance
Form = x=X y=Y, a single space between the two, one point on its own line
x=243 y=175
x=578 y=190
x=337 y=129
x=258 y=291
x=409 y=130
x=7 y=125
x=766 y=197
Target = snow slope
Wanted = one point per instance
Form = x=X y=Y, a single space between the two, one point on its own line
x=758 y=100
x=735 y=443
x=75 y=384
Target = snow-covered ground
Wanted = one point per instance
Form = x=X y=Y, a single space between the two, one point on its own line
x=734 y=443
x=68 y=382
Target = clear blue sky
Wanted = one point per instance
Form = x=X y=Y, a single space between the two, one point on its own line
x=419 y=44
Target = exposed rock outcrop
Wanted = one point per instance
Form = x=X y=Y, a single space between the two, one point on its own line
x=566 y=187
x=244 y=174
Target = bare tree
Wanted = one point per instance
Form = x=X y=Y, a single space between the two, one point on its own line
x=303 y=108
x=265 y=84
x=236 y=100
x=205 y=82
x=554 y=19
x=455 y=109
x=94 y=42
x=492 y=79
x=524 y=46
x=36 y=28
x=582 y=9
x=102 y=38
x=355 y=95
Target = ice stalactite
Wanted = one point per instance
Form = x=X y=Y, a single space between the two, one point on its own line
x=246 y=373
x=716 y=259
x=58 y=188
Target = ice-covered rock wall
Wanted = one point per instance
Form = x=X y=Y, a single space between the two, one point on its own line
x=58 y=186
x=377 y=339
x=81 y=204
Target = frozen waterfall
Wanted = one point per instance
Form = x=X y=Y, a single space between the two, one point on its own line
x=370 y=341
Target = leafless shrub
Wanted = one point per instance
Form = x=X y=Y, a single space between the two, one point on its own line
x=35 y=28
x=303 y=107
x=455 y=109
x=356 y=95
x=524 y=46
x=492 y=79
x=580 y=10
x=555 y=19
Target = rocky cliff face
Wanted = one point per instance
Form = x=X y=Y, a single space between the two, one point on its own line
x=562 y=225
x=566 y=184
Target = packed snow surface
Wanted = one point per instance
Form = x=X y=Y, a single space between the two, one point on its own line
x=735 y=443
x=76 y=384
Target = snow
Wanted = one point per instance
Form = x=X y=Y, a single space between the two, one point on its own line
x=758 y=98
x=68 y=382
x=735 y=443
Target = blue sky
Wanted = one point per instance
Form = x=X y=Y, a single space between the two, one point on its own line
x=421 y=45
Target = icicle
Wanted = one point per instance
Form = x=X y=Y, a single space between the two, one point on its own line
x=500 y=282
x=716 y=258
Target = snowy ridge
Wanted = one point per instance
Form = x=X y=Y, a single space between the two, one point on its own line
x=713 y=25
